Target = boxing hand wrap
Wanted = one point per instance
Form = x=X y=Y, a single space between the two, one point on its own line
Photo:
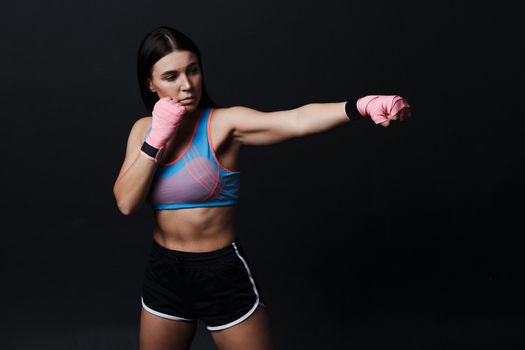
x=166 y=117
x=381 y=108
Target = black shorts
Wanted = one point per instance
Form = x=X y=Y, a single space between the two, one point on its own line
x=217 y=287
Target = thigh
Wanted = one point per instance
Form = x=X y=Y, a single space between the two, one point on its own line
x=158 y=333
x=252 y=333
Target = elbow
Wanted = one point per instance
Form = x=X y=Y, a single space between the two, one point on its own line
x=125 y=210
x=124 y=206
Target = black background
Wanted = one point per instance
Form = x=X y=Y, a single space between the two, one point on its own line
x=361 y=237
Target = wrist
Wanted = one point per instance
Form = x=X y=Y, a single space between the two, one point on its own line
x=154 y=141
x=351 y=110
x=151 y=152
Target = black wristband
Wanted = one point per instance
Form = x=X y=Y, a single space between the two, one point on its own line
x=351 y=110
x=149 y=149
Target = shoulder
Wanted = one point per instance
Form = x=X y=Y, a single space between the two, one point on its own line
x=252 y=127
x=233 y=111
x=139 y=128
x=142 y=124
x=231 y=116
x=225 y=122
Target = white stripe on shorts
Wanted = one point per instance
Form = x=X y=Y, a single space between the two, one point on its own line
x=233 y=323
x=160 y=314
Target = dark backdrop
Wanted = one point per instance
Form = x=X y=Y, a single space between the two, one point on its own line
x=362 y=237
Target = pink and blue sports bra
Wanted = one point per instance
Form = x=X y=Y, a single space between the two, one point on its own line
x=195 y=178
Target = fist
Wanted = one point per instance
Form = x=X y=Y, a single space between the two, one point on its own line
x=166 y=117
x=168 y=111
x=384 y=109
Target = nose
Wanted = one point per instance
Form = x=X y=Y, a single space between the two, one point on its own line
x=186 y=84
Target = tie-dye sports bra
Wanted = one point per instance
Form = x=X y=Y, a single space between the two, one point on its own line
x=195 y=178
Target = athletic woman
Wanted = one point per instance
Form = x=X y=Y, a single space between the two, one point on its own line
x=183 y=160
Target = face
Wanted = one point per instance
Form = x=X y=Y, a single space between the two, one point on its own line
x=178 y=75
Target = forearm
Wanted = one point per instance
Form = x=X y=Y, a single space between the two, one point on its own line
x=132 y=187
x=315 y=118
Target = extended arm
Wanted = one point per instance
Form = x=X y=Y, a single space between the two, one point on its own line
x=315 y=118
x=252 y=127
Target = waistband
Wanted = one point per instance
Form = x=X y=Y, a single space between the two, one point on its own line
x=194 y=257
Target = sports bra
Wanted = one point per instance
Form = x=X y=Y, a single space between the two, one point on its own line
x=195 y=178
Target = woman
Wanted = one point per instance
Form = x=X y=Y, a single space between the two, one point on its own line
x=184 y=161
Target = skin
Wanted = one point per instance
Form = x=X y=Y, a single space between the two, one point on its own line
x=195 y=229
x=207 y=229
x=177 y=75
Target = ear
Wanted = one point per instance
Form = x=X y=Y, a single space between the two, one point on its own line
x=150 y=86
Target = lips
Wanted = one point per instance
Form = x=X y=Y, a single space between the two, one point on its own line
x=187 y=100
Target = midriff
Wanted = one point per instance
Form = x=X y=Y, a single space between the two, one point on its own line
x=195 y=229
x=206 y=228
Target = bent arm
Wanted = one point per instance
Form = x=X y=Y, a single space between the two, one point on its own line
x=136 y=174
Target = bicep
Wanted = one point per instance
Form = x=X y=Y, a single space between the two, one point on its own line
x=256 y=128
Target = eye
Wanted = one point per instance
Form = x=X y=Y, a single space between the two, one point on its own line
x=171 y=78
x=195 y=70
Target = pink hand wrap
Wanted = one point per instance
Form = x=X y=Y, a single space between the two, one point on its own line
x=381 y=108
x=166 y=117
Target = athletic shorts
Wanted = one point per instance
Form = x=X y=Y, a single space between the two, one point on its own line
x=217 y=287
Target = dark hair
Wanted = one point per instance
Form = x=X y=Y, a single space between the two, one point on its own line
x=157 y=44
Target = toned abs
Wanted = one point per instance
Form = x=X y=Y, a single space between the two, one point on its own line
x=206 y=228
